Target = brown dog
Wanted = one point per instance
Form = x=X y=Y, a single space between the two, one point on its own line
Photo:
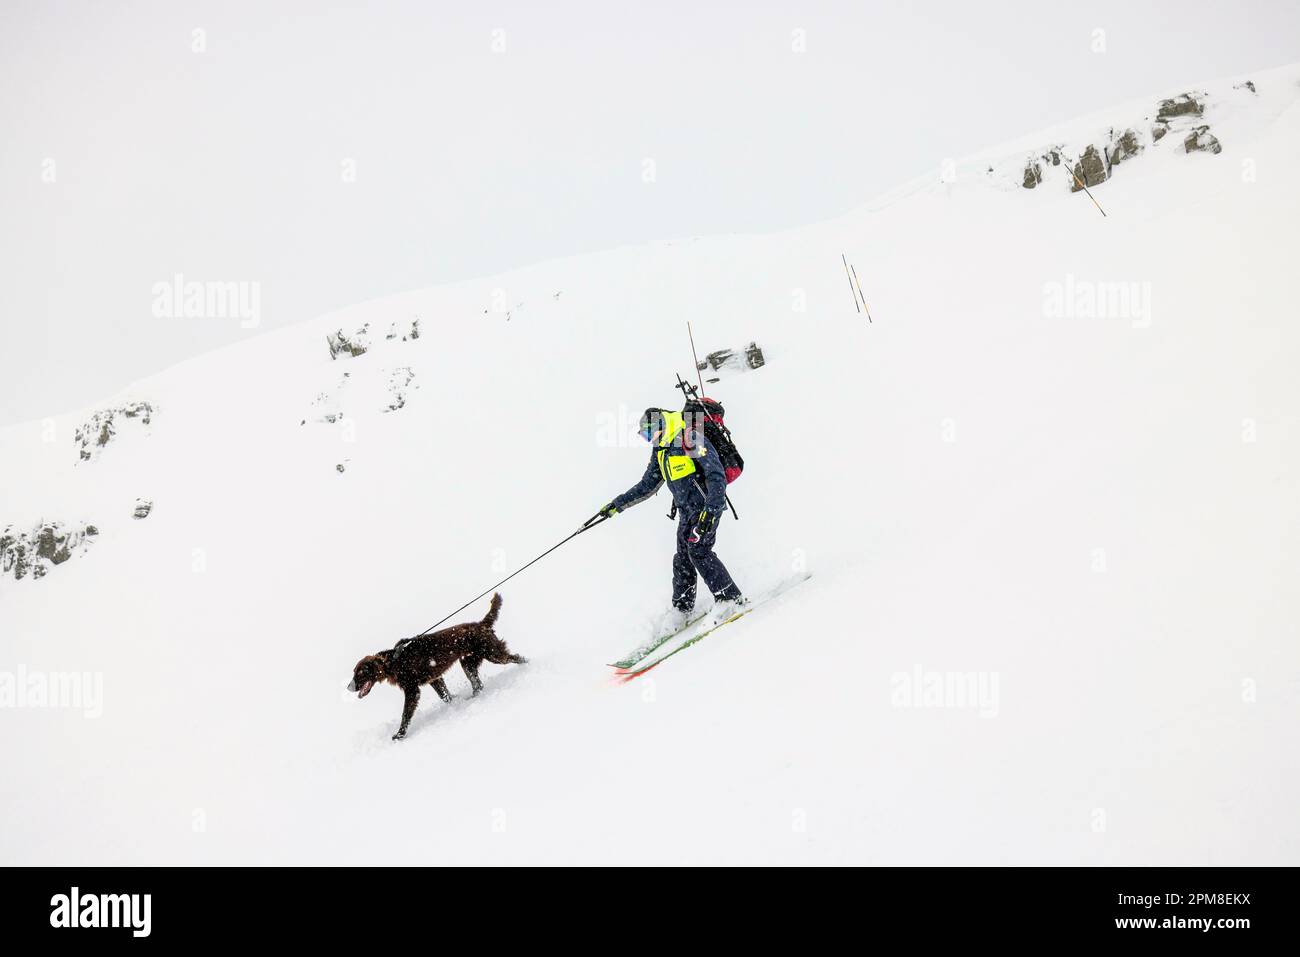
x=423 y=660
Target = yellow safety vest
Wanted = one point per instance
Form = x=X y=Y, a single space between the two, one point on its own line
x=674 y=465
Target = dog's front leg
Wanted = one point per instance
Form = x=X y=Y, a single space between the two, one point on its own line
x=440 y=686
x=408 y=710
x=470 y=667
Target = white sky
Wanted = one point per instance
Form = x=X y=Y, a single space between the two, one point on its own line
x=226 y=165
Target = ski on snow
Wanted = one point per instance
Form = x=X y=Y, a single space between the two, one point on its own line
x=654 y=643
x=651 y=659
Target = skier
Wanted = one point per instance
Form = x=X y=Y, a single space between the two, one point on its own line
x=683 y=458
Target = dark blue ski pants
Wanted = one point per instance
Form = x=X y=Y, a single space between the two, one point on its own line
x=698 y=558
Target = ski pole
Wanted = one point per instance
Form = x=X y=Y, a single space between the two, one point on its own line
x=586 y=526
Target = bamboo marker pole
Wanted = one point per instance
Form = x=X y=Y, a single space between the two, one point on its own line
x=864 y=298
x=845 y=260
x=695 y=357
x=1084 y=186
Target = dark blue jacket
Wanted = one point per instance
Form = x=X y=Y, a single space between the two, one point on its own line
x=687 y=492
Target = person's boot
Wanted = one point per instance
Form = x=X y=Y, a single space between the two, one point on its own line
x=727 y=608
x=670 y=622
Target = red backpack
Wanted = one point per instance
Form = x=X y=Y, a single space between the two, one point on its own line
x=705 y=415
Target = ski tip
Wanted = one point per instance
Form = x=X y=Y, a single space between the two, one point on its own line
x=623 y=675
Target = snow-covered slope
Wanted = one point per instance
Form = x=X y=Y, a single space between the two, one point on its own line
x=1014 y=481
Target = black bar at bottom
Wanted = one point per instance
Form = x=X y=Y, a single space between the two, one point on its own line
x=381 y=907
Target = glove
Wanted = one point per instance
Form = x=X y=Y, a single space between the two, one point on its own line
x=704 y=523
x=609 y=511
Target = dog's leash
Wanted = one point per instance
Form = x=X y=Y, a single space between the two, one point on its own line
x=586 y=526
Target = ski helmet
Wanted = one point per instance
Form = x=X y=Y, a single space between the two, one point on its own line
x=652 y=421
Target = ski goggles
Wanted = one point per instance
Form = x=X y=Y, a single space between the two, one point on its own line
x=649 y=425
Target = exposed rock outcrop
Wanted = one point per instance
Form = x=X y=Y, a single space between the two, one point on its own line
x=1185 y=104
x=751 y=357
x=1091 y=170
x=142 y=508
x=100 y=428
x=1202 y=139
x=412 y=333
x=1033 y=174
x=353 y=345
x=45 y=546
x=399 y=381
x=1125 y=146
x=1097 y=165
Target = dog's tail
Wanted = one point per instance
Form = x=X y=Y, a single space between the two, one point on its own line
x=493 y=609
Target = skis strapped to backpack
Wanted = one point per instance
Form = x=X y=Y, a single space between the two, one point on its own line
x=705 y=415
